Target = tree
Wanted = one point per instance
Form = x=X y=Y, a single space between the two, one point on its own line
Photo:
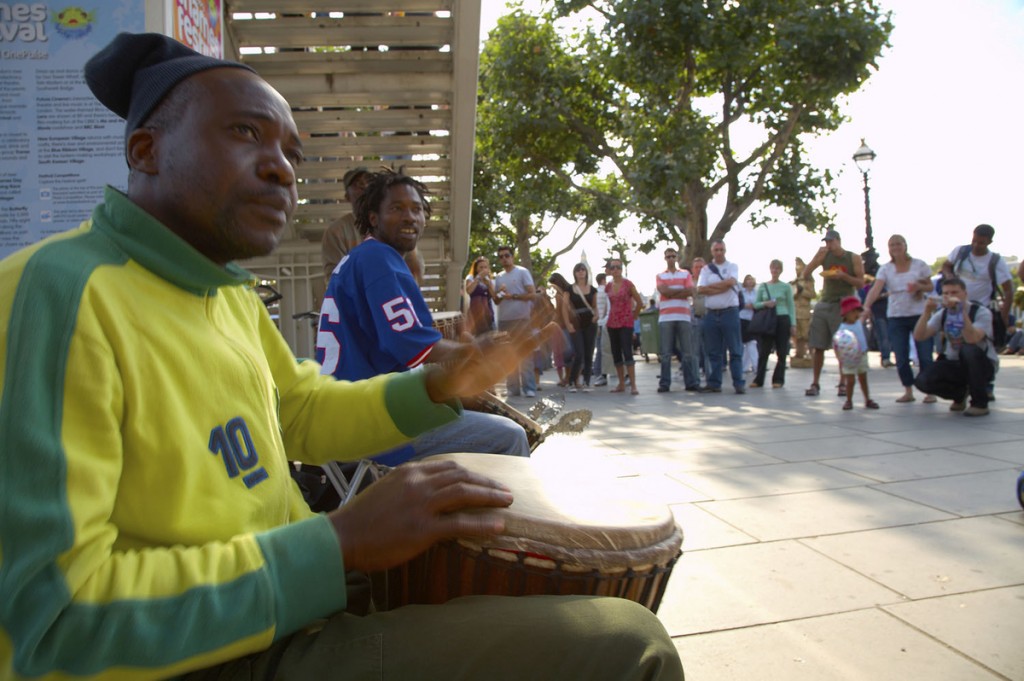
x=662 y=107
x=515 y=193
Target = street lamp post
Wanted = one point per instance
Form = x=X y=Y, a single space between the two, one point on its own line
x=863 y=157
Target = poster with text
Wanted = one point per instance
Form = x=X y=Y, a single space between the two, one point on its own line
x=197 y=23
x=58 y=145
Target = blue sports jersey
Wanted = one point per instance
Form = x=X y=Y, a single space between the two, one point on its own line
x=373 y=319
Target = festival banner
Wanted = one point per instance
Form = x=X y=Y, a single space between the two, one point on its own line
x=197 y=23
x=58 y=145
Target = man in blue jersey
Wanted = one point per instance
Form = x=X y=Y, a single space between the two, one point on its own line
x=374 y=319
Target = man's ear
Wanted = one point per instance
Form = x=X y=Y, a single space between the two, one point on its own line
x=373 y=219
x=141 y=151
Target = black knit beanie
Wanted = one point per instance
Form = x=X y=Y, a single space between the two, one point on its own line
x=133 y=74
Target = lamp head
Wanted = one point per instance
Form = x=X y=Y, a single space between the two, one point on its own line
x=863 y=157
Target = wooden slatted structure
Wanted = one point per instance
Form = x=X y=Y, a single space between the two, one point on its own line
x=371 y=83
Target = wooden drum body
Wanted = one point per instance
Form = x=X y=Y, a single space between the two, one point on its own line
x=448 y=323
x=565 y=534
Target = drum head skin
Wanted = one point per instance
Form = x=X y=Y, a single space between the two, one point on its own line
x=592 y=522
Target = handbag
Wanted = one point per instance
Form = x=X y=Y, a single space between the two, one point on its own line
x=578 y=292
x=764 y=321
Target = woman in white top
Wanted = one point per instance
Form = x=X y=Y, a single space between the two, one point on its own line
x=908 y=281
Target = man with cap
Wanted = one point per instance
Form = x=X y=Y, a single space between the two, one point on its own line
x=148 y=408
x=843 y=272
x=987 y=278
x=986 y=275
x=341 y=236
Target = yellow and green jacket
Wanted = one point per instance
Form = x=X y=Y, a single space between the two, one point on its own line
x=148 y=522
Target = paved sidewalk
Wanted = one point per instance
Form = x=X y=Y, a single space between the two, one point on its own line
x=821 y=544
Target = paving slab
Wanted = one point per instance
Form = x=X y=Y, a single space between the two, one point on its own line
x=949 y=434
x=984 y=625
x=934 y=559
x=1011 y=451
x=741 y=586
x=703 y=530
x=692 y=460
x=855 y=646
x=964 y=495
x=758 y=481
x=916 y=465
x=828 y=448
x=815 y=514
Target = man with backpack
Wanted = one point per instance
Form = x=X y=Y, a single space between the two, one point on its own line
x=987 y=277
x=967 y=358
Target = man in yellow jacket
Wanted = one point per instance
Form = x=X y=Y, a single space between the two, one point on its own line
x=148 y=523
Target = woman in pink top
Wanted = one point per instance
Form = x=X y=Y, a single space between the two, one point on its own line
x=625 y=305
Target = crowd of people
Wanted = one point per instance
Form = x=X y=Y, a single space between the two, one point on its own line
x=711 y=319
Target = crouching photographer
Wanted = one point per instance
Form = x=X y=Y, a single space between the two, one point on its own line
x=967 y=359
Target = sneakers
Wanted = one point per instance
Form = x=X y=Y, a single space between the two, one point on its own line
x=602 y=380
x=585 y=388
x=740 y=390
x=709 y=389
x=976 y=411
x=574 y=389
x=529 y=393
x=662 y=388
x=958 y=406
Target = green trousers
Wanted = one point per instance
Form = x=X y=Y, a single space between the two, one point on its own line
x=489 y=638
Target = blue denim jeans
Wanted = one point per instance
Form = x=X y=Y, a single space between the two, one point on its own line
x=901 y=334
x=699 y=351
x=722 y=334
x=474 y=432
x=599 y=340
x=676 y=337
x=524 y=379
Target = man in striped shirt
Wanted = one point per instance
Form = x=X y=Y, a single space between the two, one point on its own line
x=675 y=287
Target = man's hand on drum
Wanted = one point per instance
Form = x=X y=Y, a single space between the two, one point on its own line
x=413 y=507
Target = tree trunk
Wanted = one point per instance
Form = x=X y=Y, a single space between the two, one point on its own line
x=523 y=233
x=695 y=224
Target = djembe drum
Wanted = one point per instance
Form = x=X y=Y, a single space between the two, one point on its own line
x=448 y=323
x=562 y=536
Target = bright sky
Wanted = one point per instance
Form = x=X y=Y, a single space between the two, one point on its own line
x=943 y=115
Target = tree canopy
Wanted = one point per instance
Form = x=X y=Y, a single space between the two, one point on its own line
x=666 y=109
x=521 y=181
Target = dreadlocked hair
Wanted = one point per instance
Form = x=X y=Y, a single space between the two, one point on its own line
x=377 y=190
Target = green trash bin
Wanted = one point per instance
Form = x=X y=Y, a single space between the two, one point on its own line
x=650 y=338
